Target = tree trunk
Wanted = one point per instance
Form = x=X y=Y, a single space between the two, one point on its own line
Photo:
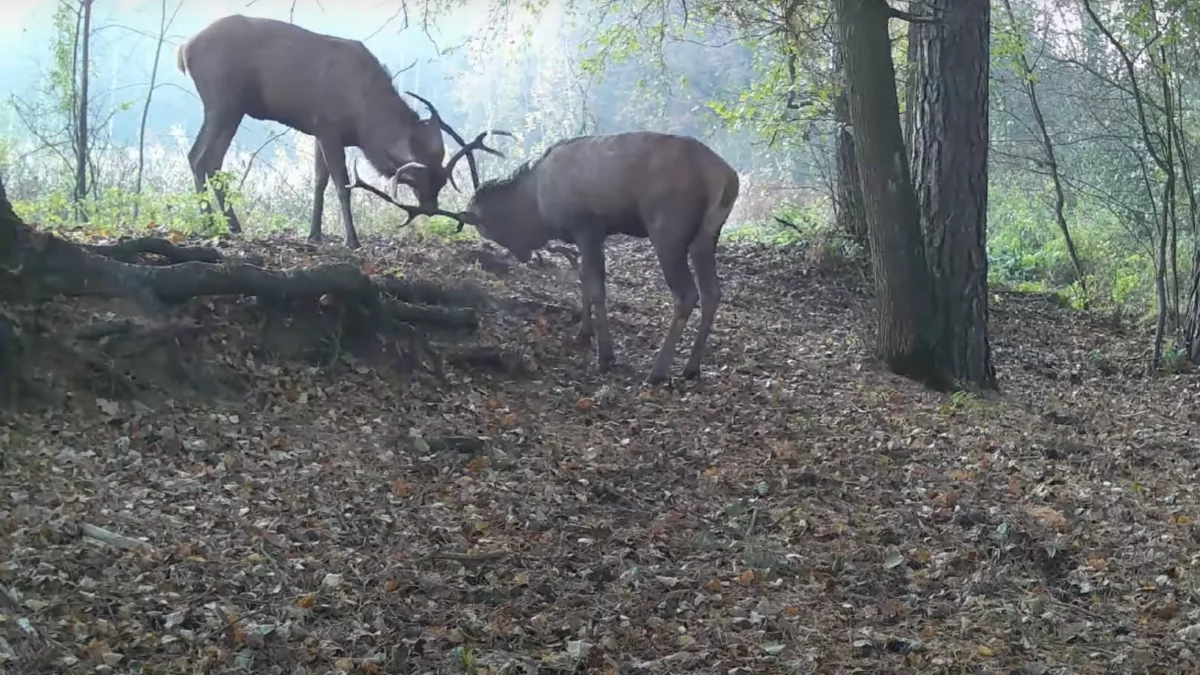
x=81 y=126
x=848 y=202
x=949 y=170
x=9 y=337
x=907 y=337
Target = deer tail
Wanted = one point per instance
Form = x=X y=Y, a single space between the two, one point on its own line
x=181 y=58
x=718 y=211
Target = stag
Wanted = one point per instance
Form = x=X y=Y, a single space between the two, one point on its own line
x=671 y=189
x=330 y=88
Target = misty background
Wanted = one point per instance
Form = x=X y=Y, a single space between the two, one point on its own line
x=482 y=68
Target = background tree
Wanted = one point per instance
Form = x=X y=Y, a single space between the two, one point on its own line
x=907 y=331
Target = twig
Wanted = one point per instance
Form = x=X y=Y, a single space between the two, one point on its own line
x=465 y=558
x=113 y=539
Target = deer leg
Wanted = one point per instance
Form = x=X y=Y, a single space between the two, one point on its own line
x=335 y=163
x=320 y=182
x=208 y=154
x=673 y=257
x=591 y=274
x=586 y=331
x=704 y=256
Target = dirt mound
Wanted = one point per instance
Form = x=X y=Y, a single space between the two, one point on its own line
x=310 y=497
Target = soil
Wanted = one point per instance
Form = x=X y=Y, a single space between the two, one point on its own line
x=265 y=487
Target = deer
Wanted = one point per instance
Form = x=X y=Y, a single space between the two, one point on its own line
x=327 y=87
x=672 y=189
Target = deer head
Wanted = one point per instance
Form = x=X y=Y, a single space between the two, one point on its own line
x=425 y=174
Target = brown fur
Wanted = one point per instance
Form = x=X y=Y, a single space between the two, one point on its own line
x=671 y=189
x=320 y=85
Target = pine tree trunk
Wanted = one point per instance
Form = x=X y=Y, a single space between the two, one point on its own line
x=949 y=112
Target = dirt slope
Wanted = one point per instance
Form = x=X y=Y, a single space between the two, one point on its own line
x=796 y=511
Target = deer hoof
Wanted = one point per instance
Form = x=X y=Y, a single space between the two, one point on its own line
x=583 y=339
x=315 y=239
x=691 y=373
x=605 y=365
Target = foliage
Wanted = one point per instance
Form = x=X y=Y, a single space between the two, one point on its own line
x=113 y=211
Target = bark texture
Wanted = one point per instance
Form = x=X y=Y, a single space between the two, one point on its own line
x=949 y=109
x=907 y=338
x=848 y=204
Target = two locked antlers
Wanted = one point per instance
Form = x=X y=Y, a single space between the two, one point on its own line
x=413 y=211
x=465 y=150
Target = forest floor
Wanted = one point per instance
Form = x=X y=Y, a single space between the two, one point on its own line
x=798 y=510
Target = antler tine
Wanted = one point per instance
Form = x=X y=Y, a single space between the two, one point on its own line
x=413 y=211
x=357 y=182
x=465 y=150
x=433 y=111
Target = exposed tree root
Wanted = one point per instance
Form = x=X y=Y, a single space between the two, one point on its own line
x=36 y=266
x=131 y=251
x=10 y=358
x=485 y=358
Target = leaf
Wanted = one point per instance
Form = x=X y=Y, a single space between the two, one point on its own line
x=584 y=404
x=773 y=647
x=894 y=560
x=746 y=577
x=1049 y=517
x=307 y=601
x=110 y=408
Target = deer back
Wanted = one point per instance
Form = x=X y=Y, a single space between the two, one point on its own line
x=622 y=178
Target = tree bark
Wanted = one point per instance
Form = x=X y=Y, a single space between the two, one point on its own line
x=81 y=126
x=949 y=170
x=848 y=203
x=907 y=337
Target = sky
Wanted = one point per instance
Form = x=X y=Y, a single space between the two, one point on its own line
x=24 y=24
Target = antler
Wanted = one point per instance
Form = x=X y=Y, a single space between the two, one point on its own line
x=466 y=148
x=433 y=112
x=413 y=211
